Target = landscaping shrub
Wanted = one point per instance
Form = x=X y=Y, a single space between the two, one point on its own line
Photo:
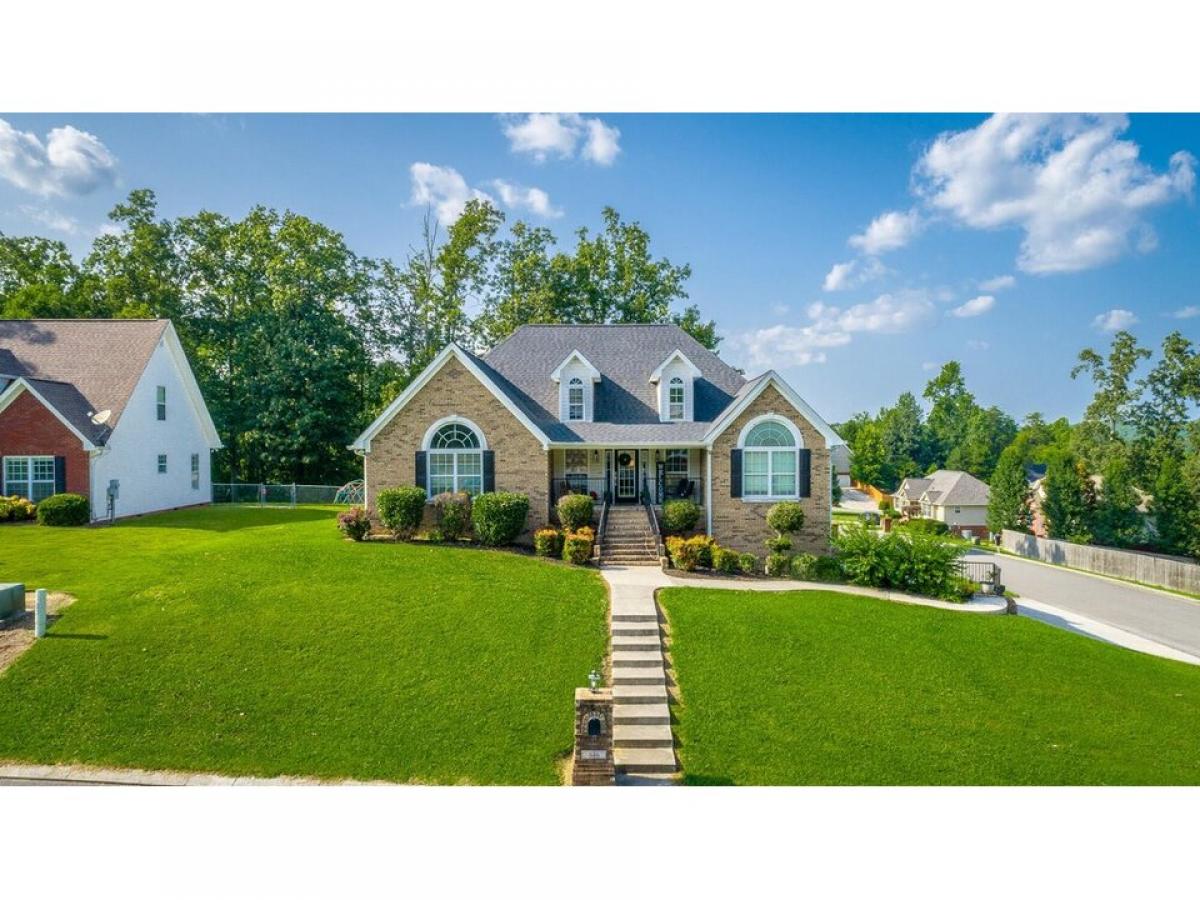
x=925 y=526
x=499 y=517
x=434 y=536
x=704 y=550
x=548 y=542
x=453 y=514
x=918 y=563
x=575 y=511
x=16 y=509
x=64 y=509
x=725 y=560
x=748 y=563
x=355 y=523
x=804 y=566
x=786 y=517
x=808 y=567
x=689 y=554
x=679 y=516
x=886 y=505
x=779 y=544
x=577 y=546
x=779 y=564
x=400 y=510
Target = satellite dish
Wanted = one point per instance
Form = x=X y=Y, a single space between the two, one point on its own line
x=101 y=417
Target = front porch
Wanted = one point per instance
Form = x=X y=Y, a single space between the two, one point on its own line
x=620 y=475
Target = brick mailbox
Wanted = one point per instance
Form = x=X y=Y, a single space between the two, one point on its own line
x=593 y=763
x=12 y=600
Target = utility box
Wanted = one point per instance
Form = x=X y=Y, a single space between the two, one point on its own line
x=12 y=600
x=593 y=762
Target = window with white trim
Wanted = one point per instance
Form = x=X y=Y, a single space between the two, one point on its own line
x=676 y=464
x=575 y=400
x=162 y=464
x=195 y=471
x=31 y=477
x=160 y=403
x=455 y=460
x=769 y=462
x=675 y=398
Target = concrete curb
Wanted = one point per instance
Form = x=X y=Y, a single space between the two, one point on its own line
x=1100 y=631
x=92 y=775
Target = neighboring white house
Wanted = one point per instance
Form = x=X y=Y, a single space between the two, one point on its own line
x=957 y=498
x=104 y=401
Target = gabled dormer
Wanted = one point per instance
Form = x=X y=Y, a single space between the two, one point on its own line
x=576 y=379
x=675 y=380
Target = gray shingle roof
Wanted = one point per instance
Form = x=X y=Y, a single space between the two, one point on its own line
x=80 y=366
x=626 y=408
x=953 y=488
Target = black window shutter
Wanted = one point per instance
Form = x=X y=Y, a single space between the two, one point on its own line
x=805 y=480
x=489 y=471
x=60 y=474
x=420 y=479
x=735 y=473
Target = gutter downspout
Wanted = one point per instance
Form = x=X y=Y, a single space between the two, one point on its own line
x=708 y=493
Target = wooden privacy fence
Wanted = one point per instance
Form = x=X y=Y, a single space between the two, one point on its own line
x=1161 y=571
x=870 y=490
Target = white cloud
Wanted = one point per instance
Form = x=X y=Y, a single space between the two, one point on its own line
x=978 y=345
x=444 y=189
x=930 y=366
x=1068 y=181
x=1114 y=320
x=1187 y=312
x=976 y=306
x=999 y=283
x=852 y=274
x=838 y=277
x=561 y=134
x=70 y=162
x=888 y=231
x=533 y=199
x=780 y=346
x=51 y=219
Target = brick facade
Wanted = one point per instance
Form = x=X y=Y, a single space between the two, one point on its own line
x=27 y=428
x=742 y=524
x=521 y=463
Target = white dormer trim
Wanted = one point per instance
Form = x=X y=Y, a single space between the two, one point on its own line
x=576 y=368
x=675 y=368
x=575 y=357
x=690 y=366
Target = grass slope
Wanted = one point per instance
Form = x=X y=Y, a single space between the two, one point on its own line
x=825 y=688
x=255 y=641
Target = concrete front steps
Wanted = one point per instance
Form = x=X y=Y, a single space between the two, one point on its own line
x=628 y=538
x=643 y=746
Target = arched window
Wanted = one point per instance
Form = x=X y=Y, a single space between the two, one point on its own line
x=675 y=399
x=575 y=399
x=769 y=461
x=455 y=460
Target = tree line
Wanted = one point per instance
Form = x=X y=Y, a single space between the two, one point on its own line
x=298 y=342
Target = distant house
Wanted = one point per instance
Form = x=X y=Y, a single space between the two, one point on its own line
x=89 y=403
x=839 y=458
x=957 y=498
x=1035 y=475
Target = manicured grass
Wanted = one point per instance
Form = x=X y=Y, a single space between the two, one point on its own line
x=257 y=641
x=815 y=687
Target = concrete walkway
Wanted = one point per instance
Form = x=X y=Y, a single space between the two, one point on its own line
x=31 y=774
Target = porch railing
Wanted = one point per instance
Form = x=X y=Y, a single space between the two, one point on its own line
x=598 y=488
x=982 y=572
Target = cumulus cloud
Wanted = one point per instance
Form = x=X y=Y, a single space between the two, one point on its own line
x=533 y=199
x=889 y=231
x=1114 y=320
x=444 y=189
x=977 y=306
x=852 y=274
x=69 y=163
x=543 y=135
x=1186 y=312
x=52 y=219
x=1069 y=182
x=999 y=283
x=780 y=346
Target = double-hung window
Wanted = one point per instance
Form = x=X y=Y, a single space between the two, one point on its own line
x=769 y=462
x=676 y=464
x=31 y=477
x=575 y=400
x=162 y=464
x=455 y=460
x=675 y=399
x=160 y=403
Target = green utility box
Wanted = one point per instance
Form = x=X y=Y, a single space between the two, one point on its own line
x=12 y=600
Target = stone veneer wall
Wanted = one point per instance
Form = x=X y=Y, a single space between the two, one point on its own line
x=521 y=463
x=742 y=524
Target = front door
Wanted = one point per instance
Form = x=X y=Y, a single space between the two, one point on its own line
x=627 y=468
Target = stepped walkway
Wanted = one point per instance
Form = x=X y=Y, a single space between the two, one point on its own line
x=628 y=539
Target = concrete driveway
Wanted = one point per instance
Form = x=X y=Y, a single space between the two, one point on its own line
x=1157 y=616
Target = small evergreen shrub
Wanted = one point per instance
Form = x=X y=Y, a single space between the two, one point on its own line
x=453 y=514
x=548 y=542
x=499 y=517
x=748 y=563
x=925 y=526
x=779 y=544
x=679 y=516
x=779 y=564
x=575 y=511
x=435 y=536
x=355 y=523
x=577 y=546
x=725 y=561
x=400 y=510
x=64 y=509
x=804 y=566
x=704 y=550
x=786 y=517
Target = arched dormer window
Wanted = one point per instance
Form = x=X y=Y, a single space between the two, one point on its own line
x=675 y=399
x=575 y=407
x=455 y=458
x=770 y=460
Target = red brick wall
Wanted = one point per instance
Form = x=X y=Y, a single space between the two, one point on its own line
x=29 y=429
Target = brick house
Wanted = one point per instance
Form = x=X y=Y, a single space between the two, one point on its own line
x=632 y=414
x=86 y=403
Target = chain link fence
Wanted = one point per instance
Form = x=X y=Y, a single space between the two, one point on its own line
x=288 y=494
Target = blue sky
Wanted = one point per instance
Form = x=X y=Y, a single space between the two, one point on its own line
x=854 y=253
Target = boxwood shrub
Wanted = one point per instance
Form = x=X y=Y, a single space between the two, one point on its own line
x=64 y=509
x=453 y=514
x=748 y=563
x=679 y=516
x=726 y=561
x=400 y=510
x=779 y=564
x=575 y=511
x=577 y=546
x=499 y=517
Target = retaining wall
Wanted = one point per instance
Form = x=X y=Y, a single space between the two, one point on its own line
x=1162 y=571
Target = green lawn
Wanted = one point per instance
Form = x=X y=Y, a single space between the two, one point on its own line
x=825 y=688
x=257 y=641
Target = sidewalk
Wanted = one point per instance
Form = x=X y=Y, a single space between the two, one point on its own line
x=19 y=773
